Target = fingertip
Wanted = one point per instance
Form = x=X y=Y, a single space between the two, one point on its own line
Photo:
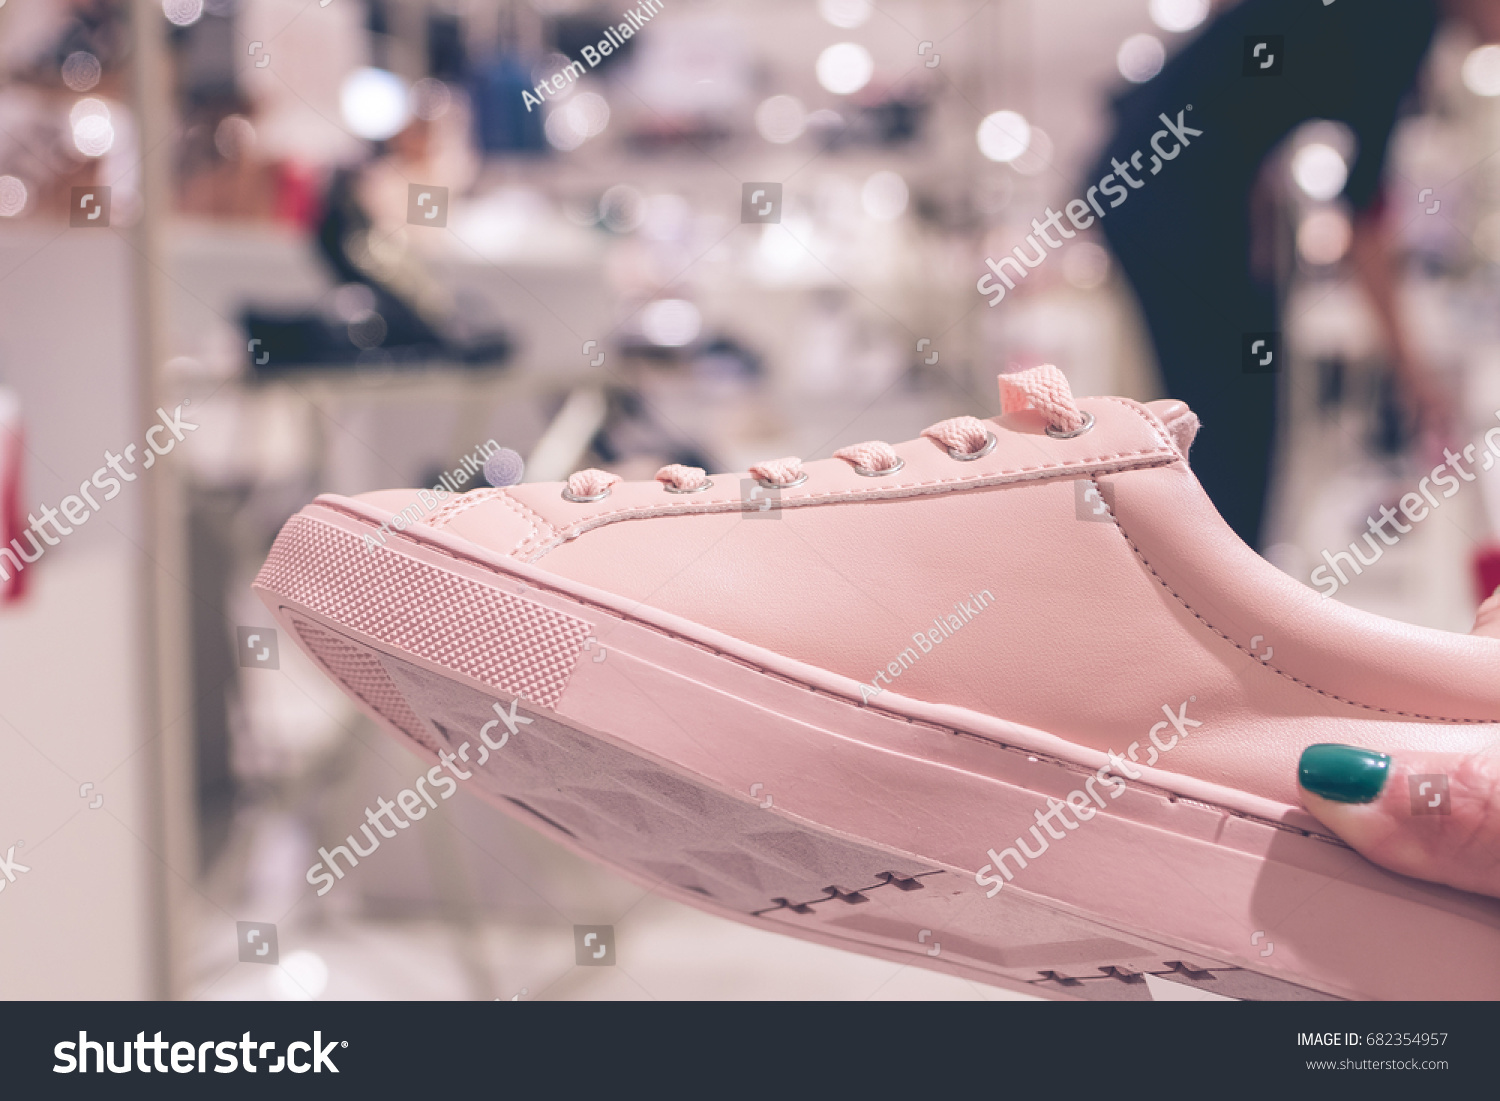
x=1341 y=786
x=1345 y=774
x=1433 y=816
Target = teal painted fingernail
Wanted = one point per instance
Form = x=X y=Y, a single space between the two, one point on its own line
x=1343 y=773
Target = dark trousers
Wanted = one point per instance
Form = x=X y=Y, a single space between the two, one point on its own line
x=1203 y=310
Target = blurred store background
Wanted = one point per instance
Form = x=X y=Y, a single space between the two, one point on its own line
x=342 y=237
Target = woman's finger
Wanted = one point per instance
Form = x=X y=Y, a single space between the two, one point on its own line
x=1433 y=816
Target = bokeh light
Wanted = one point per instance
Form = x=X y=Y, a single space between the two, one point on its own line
x=93 y=132
x=430 y=99
x=13 y=196
x=781 y=119
x=1324 y=236
x=81 y=71
x=301 y=975
x=1178 y=15
x=374 y=104
x=845 y=68
x=1140 y=57
x=671 y=322
x=844 y=13
x=622 y=209
x=1319 y=170
x=182 y=13
x=571 y=124
x=1004 y=136
x=234 y=137
x=1481 y=71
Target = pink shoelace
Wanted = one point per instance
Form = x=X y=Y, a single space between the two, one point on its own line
x=1043 y=388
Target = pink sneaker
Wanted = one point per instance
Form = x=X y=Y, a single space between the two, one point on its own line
x=1008 y=700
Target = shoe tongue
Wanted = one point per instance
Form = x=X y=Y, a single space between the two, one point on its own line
x=1180 y=422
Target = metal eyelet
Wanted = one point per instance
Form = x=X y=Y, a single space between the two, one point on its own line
x=782 y=485
x=866 y=472
x=1058 y=434
x=567 y=496
x=989 y=445
x=695 y=489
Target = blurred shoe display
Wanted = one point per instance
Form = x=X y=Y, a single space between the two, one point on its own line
x=392 y=313
x=279 y=343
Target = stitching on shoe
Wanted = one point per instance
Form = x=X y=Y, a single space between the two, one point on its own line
x=1251 y=654
x=1152 y=421
x=894 y=491
x=454 y=509
x=548 y=538
x=461 y=505
x=537 y=522
x=900 y=491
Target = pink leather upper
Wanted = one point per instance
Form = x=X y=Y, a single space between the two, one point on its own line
x=1125 y=437
x=1095 y=620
